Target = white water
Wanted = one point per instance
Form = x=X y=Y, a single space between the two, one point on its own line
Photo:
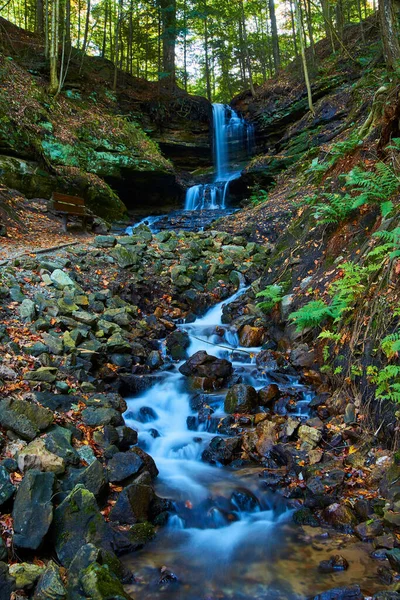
x=233 y=138
x=211 y=532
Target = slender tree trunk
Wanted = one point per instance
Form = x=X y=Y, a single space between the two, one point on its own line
x=86 y=33
x=340 y=19
x=294 y=34
x=104 y=45
x=206 y=55
x=54 y=47
x=390 y=33
x=39 y=17
x=308 y=14
x=300 y=35
x=117 y=43
x=46 y=30
x=246 y=49
x=275 y=36
x=326 y=13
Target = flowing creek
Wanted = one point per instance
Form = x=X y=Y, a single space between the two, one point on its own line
x=230 y=536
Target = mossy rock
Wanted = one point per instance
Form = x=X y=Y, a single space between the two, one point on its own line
x=99 y=583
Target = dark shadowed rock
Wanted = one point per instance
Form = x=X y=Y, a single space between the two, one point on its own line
x=133 y=504
x=124 y=465
x=95 y=417
x=202 y=364
x=7 y=583
x=7 y=489
x=340 y=516
x=352 y=592
x=33 y=509
x=333 y=564
x=268 y=394
x=241 y=398
x=222 y=450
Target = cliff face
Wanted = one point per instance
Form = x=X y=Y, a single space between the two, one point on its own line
x=113 y=148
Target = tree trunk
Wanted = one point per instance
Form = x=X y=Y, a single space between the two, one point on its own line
x=300 y=35
x=54 y=47
x=39 y=17
x=168 y=15
x=274 y=34
x=246 y=49
x=117 y=43
x=206 y=56
x=390 y=33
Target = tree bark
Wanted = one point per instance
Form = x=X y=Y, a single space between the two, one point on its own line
x=168 y=16
x=54 y=47
x=390 y=33
x=300 y=35
x=39 y=17
x=274 y=34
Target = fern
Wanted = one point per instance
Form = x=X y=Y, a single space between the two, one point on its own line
x=273 y=295
x=334 y=209
x=374 y=187
x=387 y=382
x=310 y=315
x=390 y=345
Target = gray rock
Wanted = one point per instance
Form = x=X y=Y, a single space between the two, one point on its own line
x=95 y=417
x=98 y=578
x=27 y=310
x=54 y=343
x=26 y=419
x=44 y=374
x=105 y=241
x=7 y=489
x=50 y=585
x=126 y=256
x=61 y=279
x=33 y=509
x=124 y=465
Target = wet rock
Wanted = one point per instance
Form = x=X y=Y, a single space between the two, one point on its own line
x=167 y=577
x=391 y=519
x=268 y=394
x=309 y=437
x=117 y=344
x=202 y=364
x=123 y=466
x=7 y=583
x=95 y=417
x=141 y=533
x=393 y=557
x=154 y=360
x=352 y=592
x=244 y=500
x=335 y=563
x=150 y=465
x=369 y=530
x=302 y=356
x=177 y=344
x=384 y=541
x=25 y=575
x=37 y=456
x=93 y=478
x=7 y=489
x=145 y=414
x=251 y=337
x=50 y=585
x=304 y=516
x=127 y=437
x=33 y=509
x=133 y=504
x=340 y=516
x=26 y=419
x=240 y=398
x=266 y=437
x=77 y=522
x=222 y=450
x=100 y=583
x=3 y=551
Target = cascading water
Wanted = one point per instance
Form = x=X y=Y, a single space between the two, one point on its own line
x=233 y=141
x=217 y=529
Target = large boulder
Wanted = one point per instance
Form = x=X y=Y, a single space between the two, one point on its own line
x=26 y=419
x=123 y=466
x=99 y=583
x=78 y=521
x=33 y=509
x=202 y=364
x=241 y=398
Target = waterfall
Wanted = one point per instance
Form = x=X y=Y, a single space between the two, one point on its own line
x=233 y=141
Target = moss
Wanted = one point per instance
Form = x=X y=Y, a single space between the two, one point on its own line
x=99 y=583
x=142 y=533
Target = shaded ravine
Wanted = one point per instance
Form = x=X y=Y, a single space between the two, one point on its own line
x=230 y=536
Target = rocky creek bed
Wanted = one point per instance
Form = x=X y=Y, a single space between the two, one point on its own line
x=87 y=336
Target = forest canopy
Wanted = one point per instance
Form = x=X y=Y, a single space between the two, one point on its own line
x=214 y=48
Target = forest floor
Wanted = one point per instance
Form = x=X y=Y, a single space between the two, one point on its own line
x=29 y=226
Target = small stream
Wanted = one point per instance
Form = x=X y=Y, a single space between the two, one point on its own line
x=230 y=536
